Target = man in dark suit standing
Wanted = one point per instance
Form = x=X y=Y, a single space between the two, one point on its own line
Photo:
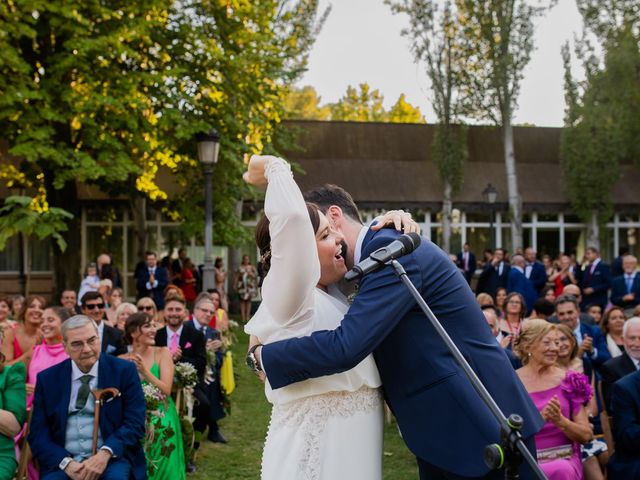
x=625 y=462
x=92 y=305
x=495 y=274
x=467 y=262
x=534 y=270
x=61 y=432
x=625 y=289
x=441 y=417
x=151 y=280
x=627 y=363
x=595 y=280
x=518 y=282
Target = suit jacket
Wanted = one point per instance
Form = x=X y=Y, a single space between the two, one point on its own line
x=600 y=281
x=619 y=290
x=538 y=276
x=122 y=420
x=600 y=343
x=612 y=371
x=488 y=280
x=468 y=274
x=157 y=292
x=625 y=462
x=438 y=411
x=192 y=346
x=517 y=282
x=112 y=341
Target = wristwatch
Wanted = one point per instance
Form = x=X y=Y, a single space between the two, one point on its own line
x=65 y=463
x=252 y=361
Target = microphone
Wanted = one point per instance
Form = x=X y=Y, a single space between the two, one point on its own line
x=403 y=245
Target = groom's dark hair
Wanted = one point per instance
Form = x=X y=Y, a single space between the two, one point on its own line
x=329 y=194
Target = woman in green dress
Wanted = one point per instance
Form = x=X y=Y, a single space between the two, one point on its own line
x=13 y=410
x=155 y=366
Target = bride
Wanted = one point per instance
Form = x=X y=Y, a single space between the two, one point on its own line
x=328 y=427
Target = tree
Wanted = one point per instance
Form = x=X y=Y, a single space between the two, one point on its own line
x=403 y=112
x=304 y=103
x=602 y=120
x=360 y=105
x=110 y=93
x=498 y=43
x=435 y=38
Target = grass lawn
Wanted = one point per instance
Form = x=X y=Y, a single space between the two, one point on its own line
x=247 y=425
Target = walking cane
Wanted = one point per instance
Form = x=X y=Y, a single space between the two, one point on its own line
x=99 y=395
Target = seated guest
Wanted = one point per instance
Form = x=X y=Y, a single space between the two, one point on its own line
x=491 y=316
x=568 y=358
x=484 y=299
x=625 y=289
x=574 y=291
x=61 y=433
x=542 y=309
x=12 y=414
x=110 y=338
x=124 y=310
x=549 y=293
x=17 y=304
x=612 y=326
x=18 y=342
x=560 y=396
x=500 y=299
x=69 y=300
x=115 y=300
x=595 y=311
x=5 y=311
x=221 y=319
x=627 y=363
x=148 y=306
x=625 y=405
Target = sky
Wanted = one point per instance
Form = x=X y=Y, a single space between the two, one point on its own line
x=361 y=42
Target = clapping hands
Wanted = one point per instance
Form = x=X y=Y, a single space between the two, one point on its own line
x=552 y=411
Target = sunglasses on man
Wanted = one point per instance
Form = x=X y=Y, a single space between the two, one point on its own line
x=93 y=306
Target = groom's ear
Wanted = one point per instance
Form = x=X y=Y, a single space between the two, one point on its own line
x=334 y=215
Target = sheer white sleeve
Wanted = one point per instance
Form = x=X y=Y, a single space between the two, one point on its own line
x=287 y=290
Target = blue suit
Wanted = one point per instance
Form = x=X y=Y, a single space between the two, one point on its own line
x=442 y=419
x=517 y=282
x=600 y=343
x=538 y=276
x=619 y=289
x=156 y=293
x=468 y=273
x=625 y=462
x=122 y=420
x=600 y=281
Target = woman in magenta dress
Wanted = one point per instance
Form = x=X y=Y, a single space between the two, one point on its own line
x=560 y=396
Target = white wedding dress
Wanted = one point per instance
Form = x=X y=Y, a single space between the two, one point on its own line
x=327 y=428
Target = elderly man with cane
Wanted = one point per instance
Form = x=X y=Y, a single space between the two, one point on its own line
x=75 y=396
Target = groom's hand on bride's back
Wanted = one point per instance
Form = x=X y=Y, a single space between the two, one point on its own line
x=255 y=170
x=401 y=220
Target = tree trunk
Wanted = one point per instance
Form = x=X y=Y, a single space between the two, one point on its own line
x=593 y=231
x=515 y=202
x=447 y=205
x=139 y=213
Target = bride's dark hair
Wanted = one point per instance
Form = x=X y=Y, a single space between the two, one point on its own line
x=263 y=239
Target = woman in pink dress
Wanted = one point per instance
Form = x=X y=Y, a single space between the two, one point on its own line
x=559 y=395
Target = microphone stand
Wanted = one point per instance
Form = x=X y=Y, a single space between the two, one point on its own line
x=511 y=450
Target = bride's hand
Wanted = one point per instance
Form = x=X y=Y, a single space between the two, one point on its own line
x=255 y=170
x=400 y=219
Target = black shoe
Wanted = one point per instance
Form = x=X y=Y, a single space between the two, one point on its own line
x=191 y=467
x=216 y=437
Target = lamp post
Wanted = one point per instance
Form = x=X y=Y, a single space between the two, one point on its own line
x=490 y=194
x=208 y=148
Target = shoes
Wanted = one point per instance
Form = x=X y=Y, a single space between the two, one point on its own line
x=216 y=437
x=191 y=467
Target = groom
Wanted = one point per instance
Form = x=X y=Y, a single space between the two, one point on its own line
x=441 y=417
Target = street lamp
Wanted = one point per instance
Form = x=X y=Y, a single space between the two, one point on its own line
x=490 y=194
x=208 y=148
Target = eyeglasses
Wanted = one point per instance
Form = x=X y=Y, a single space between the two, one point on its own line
x=147 y=308
x=93 y=306
x=79 y=345
x=515 y=302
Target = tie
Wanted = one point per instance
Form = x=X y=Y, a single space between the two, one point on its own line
x=174 y=343
x=629 y=283
x=83 y=391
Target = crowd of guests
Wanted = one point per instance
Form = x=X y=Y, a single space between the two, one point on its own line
x=572 y=332
x=53 y=356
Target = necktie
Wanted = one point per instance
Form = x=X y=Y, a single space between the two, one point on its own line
x=629 y=283
x=174 y=343
x=83 y=391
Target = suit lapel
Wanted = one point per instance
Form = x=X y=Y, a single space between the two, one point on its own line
x=65 y=393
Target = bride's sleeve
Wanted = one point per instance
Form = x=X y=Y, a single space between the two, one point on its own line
x=287 y=291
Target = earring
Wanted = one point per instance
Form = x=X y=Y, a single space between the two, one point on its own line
x=529 y=354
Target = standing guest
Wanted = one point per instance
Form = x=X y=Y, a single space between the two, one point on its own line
x=17 y=303
x=114 y=301
x=152 y=280
x=518 y=282
x=595 y=280
x=12 y=414
x=61 y=433
x=534 y=270
x=110 y=338
x=595 y=312
x=5 y=311
x=549 y=268
x=69 y=300
x=616 y=266
x=560 y=396
x=627 y=363
x=148 y=306
x=221 y=319
x=177 y=265
x=549 y=293
x=220 y=280
x=625 y=289
x=106 y=269
x=612 y=327
x=155 y=367
x=501 y=298
x=625 y=462
x=51 y=351
x=514 y=313
x=90 y=282
x=124 y=310
x=18 y=342
x=188 y=282
x=565 y=275
x=466 y=261
x=501 y=265
x=246 y=284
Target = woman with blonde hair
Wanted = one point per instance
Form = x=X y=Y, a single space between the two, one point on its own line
x=124 y=311
x=484 y=299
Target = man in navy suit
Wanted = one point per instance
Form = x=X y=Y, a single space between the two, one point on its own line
x=152 y=279
x=61 y=433
x=518 y=282
x=467 y=262
x=592 y=346
x=625 y=289
x=442 y=419
x=595 y=280
x=534 y=270
x=625 y=462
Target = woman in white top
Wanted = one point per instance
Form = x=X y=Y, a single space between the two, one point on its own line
x=322 y=428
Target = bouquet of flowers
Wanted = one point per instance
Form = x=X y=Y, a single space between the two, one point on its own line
x=185 y=375
x=157 y=435
x=185 y=378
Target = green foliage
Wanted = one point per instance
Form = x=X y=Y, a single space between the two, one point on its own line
x=19 y=216
x=449 y=152
x=360 y=105
x=304 y=103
